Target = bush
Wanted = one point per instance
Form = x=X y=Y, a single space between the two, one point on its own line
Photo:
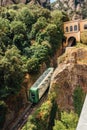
x=68 y=121
x=59 y=126
x=18 y=27
x=84 y=37
x=78 y=98
x=9 y=14
x=43 y=117
x=33 y=65
x=40 y=119
x=26 y=16
x=12 y=68
x=5 y=32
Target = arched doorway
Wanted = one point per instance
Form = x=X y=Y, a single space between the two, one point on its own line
x=71 y=41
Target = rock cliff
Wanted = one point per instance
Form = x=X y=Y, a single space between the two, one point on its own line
x=44 y=3
x=74 y=8
x=70 y=73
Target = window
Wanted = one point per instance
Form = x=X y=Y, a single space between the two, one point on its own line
x=33 y=96
x=67 y=29
x=75 y=27
x=71 y=28
x=85 y=26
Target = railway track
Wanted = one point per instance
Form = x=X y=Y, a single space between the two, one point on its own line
x=19 y=123
x=22 y=119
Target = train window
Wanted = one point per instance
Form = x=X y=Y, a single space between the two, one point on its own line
x=71 y=28
x=75 y=27
x=85 y=26
x=67 y=29
x=32 y=95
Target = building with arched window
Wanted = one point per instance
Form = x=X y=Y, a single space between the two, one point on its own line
x=73 y=30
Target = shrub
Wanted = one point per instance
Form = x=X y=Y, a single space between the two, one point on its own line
x=68 y=121
x=78 y=98
x=12 y=69
x=33 y=65
x=84 y=37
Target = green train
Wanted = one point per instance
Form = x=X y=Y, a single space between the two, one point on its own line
x=40 y=86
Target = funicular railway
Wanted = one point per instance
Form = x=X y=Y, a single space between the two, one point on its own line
x=40 y=86
x=37 y=94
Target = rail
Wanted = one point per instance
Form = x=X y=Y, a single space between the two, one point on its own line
x=22 y=119
x=28 y=111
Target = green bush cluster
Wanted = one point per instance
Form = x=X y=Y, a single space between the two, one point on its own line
x=40 y=118
x=84 y=37
x=68 y=121
x=29 y=36
x=43 y=117
x=78 y=98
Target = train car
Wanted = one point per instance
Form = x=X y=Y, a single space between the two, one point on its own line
x=40 y=86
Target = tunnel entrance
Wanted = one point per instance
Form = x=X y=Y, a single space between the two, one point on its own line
x=71 y=41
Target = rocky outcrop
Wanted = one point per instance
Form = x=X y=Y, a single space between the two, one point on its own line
x=70 y=73
x=44 y=3
x=72 y=7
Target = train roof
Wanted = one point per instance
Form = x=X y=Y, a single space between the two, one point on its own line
x=41 y=78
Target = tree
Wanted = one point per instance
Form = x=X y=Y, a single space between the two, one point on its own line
x=26 y=16
x=39 y=25
x=12 y=70
x=33 y=65
x=5 y=32
x=55 y=38
x=78 y=98
x=68 y=121
x=37 y=51
x=18 y=31
x=59 y=126
x=18 y=27
x=9 y=14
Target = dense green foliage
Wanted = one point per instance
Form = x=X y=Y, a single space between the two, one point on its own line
x=40 y=119
x=84 y=37
x=68 y=121
x=29 y=36
x=78 y=97
x=43 y=117
x=11 y=70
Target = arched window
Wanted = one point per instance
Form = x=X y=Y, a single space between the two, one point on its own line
x=75 y=27
x=71 y=28
x=67 y=29
x=85 y=26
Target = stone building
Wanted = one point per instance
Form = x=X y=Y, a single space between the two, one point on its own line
x=73 y=30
